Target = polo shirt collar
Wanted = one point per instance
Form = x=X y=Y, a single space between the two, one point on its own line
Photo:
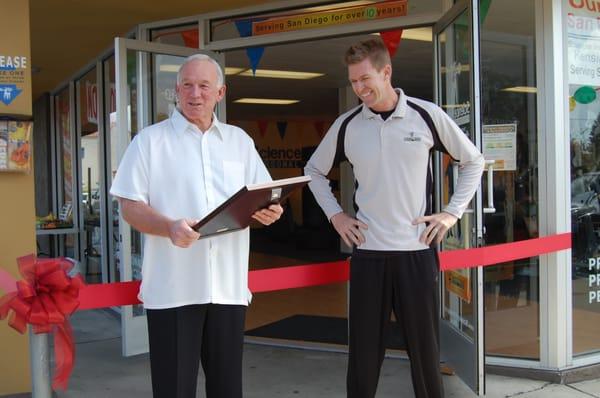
x=181 y=124
x=399 y=111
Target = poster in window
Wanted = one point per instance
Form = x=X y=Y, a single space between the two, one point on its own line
x=3 y=144
x=15 y=145
x=500 y=145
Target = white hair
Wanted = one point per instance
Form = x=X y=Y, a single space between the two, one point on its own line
x=202 y=57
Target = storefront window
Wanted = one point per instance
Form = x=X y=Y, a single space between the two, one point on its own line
x=584 y=125
x=183 y=35
x=65 y=170
x=509 y=114
x=110 y=104
x=90 y=171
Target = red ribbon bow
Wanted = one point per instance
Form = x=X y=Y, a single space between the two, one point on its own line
x=45 y=298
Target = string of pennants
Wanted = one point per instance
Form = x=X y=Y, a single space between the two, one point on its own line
x=244 y=27
x=319 y=126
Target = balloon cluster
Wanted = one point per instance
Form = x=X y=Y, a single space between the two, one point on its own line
x=583 y=95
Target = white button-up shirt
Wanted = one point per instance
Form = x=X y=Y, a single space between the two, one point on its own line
x=182 y=172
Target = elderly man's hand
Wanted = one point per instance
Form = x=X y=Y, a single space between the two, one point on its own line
x=269 y=215
x=182 y=234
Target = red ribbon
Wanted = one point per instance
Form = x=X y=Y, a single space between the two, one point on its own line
x=45 y=298
x=47 y=295
x=266 y=280
x=501 y=253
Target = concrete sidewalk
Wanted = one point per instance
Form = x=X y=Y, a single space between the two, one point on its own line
x=101 y=371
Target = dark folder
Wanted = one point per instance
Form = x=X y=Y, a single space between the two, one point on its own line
x=236 y=212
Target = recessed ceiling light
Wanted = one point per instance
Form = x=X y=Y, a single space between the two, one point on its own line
x=281 y=74
x=521 y=89
x=454 y=106
x=172 y=68
x=266 y=101
x=230 y=70
x=456 y=68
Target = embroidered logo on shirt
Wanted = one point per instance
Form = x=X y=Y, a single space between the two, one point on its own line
x=412 y=138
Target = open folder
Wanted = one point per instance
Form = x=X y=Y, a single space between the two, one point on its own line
x=236 y=212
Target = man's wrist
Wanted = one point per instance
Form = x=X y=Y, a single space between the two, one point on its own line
x=334 y=215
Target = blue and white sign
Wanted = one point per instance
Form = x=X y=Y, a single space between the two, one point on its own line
x=8 y=92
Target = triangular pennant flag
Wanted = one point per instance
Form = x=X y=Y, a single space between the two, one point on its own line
x=244 y=28
x=320 y=127
x=281 y=127
x=191 y=38
x=254 y=54
x=391 y=39
x=262 y=127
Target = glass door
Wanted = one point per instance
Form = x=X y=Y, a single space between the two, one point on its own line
x=146 y=74
x=461 y=323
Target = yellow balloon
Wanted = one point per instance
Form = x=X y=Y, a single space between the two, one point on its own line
x=572 y=104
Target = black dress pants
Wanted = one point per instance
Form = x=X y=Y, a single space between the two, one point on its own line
x=407 y=283
x=182 y=337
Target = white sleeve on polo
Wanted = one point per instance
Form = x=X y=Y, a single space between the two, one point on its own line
x=319 y=165
x=470 y=160
x=131 y=181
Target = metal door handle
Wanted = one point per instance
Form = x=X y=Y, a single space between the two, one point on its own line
x=490 y=187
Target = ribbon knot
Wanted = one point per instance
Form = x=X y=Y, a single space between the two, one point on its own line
x=45 y=298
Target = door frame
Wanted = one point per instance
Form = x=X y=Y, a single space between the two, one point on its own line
x=452 y=343
x=134 y=329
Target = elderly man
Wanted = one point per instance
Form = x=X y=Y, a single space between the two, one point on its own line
x=388 y=139
x=195 y=291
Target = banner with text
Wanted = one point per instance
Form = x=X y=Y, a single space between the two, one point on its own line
x=322 y=19
x=583 y=30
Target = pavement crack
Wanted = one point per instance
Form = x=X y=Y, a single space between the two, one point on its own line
x=583 y=392
x=527 y=392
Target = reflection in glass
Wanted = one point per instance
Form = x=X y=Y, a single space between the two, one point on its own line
x=137 y=111
x=165 y=73
x=509 y=136
x=91 y=235
x=65 y=170
x=455 y=93
x=584 y=124
x=110 y=104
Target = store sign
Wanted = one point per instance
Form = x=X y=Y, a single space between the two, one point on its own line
x=584 y=7
x=15 y=65
x=328 y=18
x=594 y=280
x=583 y=29
x=276 y=158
